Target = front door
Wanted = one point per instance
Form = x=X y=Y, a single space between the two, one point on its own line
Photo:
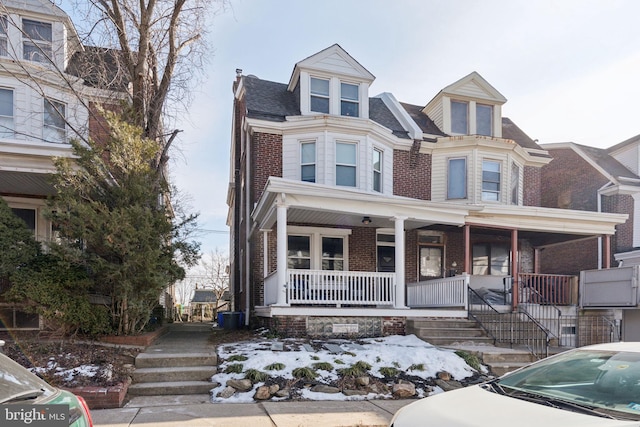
x=430 y=262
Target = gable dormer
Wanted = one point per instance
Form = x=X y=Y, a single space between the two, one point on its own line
x=470 y=106
x=332 y=82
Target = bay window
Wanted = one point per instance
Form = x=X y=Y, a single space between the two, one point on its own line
x=3 y=37
x=6 y=113
x=54 y=128
x=346 y=161
x=515 y=184
x=308 y=161
x=457 y=178
x=491 y=180
x=377 y=170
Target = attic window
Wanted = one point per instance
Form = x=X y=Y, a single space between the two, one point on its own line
x=320 y=95
x=37 y=37
x=460 y=117
x=484 y=116
x=349 y=100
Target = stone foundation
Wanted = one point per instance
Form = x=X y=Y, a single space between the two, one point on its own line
x=334 y=326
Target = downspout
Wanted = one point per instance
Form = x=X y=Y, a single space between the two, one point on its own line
x=247 y=254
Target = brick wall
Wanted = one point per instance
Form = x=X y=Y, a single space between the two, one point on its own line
x=531 y=186
x=570 y=258
x=412 y=174
x=394 y=326
x=622 y=241
x=266 y=161
x=362 y=249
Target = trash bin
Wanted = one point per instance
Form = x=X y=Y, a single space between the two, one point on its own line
x=231 y=320
x=220 y=320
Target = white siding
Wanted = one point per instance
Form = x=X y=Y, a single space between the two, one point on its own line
x=472 y=90
x=636 y=220
x=629 y=158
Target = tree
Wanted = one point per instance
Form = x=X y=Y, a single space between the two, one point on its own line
x=17 y=245
x=216 y=275
x=107 y=210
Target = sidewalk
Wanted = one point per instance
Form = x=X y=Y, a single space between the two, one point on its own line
x=198 y=411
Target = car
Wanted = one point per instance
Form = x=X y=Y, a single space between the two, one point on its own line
x=19 y=387
x=596 y=385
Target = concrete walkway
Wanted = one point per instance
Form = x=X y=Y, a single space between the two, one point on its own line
x=198 y=411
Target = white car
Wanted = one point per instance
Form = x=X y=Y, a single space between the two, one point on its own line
x=597 y=385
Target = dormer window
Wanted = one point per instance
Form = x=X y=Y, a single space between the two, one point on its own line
x=460 y=117
x=319 y=95
x=349 y=100
x=484 y=119
x=3 y=36
x=37 y=37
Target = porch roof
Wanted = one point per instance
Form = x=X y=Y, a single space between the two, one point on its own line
x=312 y=203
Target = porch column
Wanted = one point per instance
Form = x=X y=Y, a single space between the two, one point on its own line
x=607 y=251
x=400 y=252
x=265 y=253
x=514 y=269
x=467 y=249
x=281 y=243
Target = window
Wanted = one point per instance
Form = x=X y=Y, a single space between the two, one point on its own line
x=6 y=113
x=459 y=117
x=349 y=100
x=377 y=170
x=457 y=179
x=3 y=36
x=299 y=252
x=490 y=180
x=386 y=251
x=54 y=121
x=491 y=259
x=320 y=95
x=346 y=164
x=308 y=161
x=37 y=38
x=484 y=119
x=430 y=253
x=28 y=216
x=333 y=253
x=515 y=184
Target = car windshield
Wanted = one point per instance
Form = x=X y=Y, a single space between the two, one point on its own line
x=17 y=382
x=607 y=381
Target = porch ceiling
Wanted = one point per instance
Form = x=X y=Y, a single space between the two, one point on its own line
x=25 y=184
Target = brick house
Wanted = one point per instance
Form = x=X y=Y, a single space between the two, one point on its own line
x=351 y=213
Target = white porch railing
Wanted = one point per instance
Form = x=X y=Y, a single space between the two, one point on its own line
x=340 y=287
x=445 y=292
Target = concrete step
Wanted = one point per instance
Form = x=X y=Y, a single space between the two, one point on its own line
x=501 y=368
x=170 y=388
x=446 y=341
x=441 y=323
x=457 y=332
x=173 y=374
x=161 y=360
x=508 y=357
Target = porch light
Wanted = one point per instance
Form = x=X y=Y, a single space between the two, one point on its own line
x=366 y=220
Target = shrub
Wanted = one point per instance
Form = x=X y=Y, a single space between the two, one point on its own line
x=306 y=373
x=234 y=368
x=275 y=367
x=256 y=376
x=471 y=359
x=323 y=366
x=388 y=371
x=237 y=358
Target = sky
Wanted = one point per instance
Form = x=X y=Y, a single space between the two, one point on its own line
x=569 y=69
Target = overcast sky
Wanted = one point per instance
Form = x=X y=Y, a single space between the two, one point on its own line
x=569 y=69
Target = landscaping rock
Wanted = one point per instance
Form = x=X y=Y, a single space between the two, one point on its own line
x=363 y=381
x=355 y=392
x=445 y=376
x=321 y=388
x=273 y=389
x=240 y=385
x=226 y=392
x=285 y=392
x=262 y=393
x=448 y=385
x=404 y=389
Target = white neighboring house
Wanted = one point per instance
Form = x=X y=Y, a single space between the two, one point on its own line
x=43 y=104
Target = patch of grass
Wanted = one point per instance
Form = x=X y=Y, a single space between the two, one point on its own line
x=338 y=362
x=378 y=359
x=471 y=359
x=237 y=358
x=388 y=371
x=350 y=353
x=315 y=358
x=275 y=367
x=256 y=376
x=355 y=370
x=323 y=366
x=395 y=364
x=417 y=367
x=234 y=368
x=305 y=372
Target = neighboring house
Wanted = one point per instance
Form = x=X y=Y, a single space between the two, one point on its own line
x=49 y=91
x=350 y=214
x=205 y=304
x=600 y=180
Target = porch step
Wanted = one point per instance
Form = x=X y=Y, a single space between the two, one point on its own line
x=151 y=360
x=170 y=388
x=447 y=331
x=169 y=374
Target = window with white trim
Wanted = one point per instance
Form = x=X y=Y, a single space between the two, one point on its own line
x=320 y=95
x=3 y=36
x=515 y=184
x=6 y=113
x=349 y=100
x=460 y=117
x=386 y=251
x=308 y=161
x=457 y=178
x=333 y=253
x=299 y=252
x=346 y=161
x=377 y=170
x=314 y=248
x=491 y=180
x=54 y=129
x=28 y=216
x=484 y=119
x=36 y=40
x=491 y=259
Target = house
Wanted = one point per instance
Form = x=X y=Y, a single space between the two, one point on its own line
x=205 y=304
x=48 y=95
x=355 y=214
x=600 y=180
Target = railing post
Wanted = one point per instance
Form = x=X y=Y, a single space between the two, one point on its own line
x=281 y=243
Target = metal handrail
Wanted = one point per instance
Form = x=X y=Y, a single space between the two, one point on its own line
x=509 y=326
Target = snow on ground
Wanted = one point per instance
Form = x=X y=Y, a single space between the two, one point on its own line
x=408 y=354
